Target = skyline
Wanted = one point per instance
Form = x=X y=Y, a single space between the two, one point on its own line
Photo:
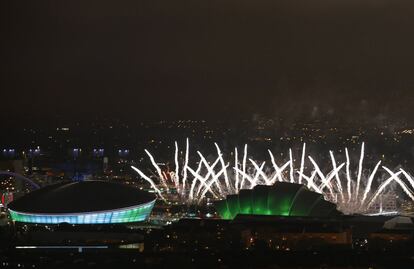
x=207 y=134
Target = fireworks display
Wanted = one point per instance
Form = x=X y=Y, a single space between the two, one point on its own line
x=354 y=192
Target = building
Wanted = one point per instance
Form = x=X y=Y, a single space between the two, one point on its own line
x=87 y=202
x=281 y=199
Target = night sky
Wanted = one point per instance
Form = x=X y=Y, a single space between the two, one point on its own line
x=212 y=59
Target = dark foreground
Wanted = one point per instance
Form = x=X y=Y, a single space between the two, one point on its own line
x=259 y=258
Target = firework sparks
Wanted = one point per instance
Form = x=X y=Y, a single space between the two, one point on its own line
x=222 y=178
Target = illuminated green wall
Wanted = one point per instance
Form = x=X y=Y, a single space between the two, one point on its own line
x=281 y=199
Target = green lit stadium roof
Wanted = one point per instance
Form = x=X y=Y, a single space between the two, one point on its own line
x=281 y=199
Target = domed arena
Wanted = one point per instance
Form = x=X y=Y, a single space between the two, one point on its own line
x=86 y=202
x=281 y=199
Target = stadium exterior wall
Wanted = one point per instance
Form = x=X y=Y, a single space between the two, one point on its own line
x=122 y=215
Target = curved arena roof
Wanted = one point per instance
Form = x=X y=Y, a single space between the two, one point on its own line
x=83 y=202
x=281 y=199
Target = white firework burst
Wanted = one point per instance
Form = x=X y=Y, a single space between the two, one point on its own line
x=219 y=178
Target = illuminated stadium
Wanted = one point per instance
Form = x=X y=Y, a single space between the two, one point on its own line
x=87 y=202
x=281 y=199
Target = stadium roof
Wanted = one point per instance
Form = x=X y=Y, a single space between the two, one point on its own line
x=79 y=197
x=281 y=199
